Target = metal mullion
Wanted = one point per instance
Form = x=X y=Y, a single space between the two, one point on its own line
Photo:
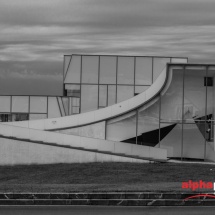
x=59 y=106
x=105 y=129
x=107 y=96
x=134 y=73
x=98 y=81
x=152 y=70
x=182 y=134
x=63 y=105
x=28 y=108
x=137 y=114
x=64 y=77
x=47 y=108
x=63 y=68
x=159 y=119
x=80 y=86
x=206 y=101
x=116 y=78
x=69 y=106
x=10 y=104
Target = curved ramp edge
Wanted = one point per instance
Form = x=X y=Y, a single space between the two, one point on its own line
x=101 y=114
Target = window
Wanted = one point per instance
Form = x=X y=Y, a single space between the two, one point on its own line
x=208 y=81
x=20 y=117
x=5 y=118
x=107 y=70
x=143 y=71
x=125 y=70
x=124 y=93
x=73 y=90
x=89 y=98
x=90 y=66
x=73 y=73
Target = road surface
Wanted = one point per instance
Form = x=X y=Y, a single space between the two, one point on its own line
x=98 y=210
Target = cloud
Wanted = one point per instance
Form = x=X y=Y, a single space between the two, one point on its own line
x=36 y=34
x=30 y=78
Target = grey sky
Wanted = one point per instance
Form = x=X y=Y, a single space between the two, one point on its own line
x=35 y=34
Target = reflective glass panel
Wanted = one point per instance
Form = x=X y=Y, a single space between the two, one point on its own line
x=90 y=65
x=67 y=59
x=158 y=65
x=5 y=103
x=20 y=117
x=37 y=116
x=75 y=102
x=171 y=139
x=5 y=117
x=20 y=104
x=124 y=93
x=53 y=107
x=143 y=71
x=193 y=141
x=111 y=94
x=107 y=70
x=210 y=82
x=102 y=95
x=38 y=104
x=65 y=101
x=74 y=70
x=194 y=95
x=172 y=98
x=73 y=90
x=148 y=123
x=89 y=98
x=140 y=89
x=75 y=110
x=125 y=70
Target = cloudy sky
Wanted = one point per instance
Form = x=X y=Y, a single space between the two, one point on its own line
x=35 y=34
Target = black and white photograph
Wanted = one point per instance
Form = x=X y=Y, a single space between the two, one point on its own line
x=107 y=107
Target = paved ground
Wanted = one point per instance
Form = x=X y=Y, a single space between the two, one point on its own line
x=86 y=210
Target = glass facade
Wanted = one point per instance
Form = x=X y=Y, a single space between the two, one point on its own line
x=89 y=98
x=102 y=80
x=19 y=108
x=179 y=119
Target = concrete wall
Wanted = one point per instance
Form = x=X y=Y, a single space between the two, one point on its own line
x=20 y=152
x=87 y=143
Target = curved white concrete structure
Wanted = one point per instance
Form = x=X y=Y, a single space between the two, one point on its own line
x=101 y=114
x=173 y=118
x=31 y=131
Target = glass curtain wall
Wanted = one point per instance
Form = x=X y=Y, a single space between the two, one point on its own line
x=117 y=78
x=180 y=119
x=210 y=104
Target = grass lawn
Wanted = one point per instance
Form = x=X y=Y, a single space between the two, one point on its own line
x=91 y=177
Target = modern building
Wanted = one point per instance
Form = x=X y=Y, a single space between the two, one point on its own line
x=115 y=108
x=90 y=83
